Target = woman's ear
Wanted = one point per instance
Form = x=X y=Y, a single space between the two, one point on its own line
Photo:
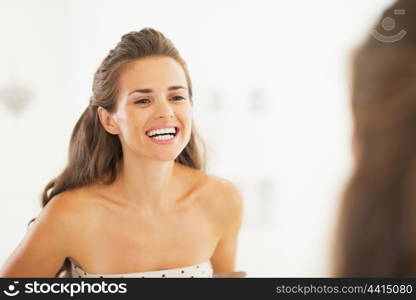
x=108 y=121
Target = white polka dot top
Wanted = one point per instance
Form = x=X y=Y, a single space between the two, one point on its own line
x=199 y=270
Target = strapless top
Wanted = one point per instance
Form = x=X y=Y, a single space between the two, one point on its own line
x=203 y=269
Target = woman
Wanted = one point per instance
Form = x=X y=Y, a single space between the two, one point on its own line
x=377 y=227
x=134 y=200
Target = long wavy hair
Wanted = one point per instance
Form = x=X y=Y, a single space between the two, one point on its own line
x=94 y=154
x=377 y=225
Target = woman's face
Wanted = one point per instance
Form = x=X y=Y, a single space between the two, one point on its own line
x=153 y=92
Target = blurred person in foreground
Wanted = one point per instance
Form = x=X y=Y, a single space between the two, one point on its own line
x=376 y=233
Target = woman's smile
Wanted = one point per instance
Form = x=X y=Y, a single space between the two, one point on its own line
x=164 y=139
x=163 y=134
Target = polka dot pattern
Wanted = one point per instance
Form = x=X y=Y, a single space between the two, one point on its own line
x=199 y=270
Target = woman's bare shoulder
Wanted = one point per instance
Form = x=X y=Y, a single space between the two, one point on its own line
x=79 y=207
x=74 y=199
x=76 y=205
x=220 y=185
x=223 y=196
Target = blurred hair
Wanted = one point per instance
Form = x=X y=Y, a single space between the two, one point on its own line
x=377 y=225
x=96 y=155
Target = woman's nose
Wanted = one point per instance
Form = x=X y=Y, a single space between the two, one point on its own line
x=163 y=109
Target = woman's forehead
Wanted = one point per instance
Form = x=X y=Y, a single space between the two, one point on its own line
x=152 y=73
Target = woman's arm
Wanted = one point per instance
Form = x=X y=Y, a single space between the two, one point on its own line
x=231 y=211
x=45 y=246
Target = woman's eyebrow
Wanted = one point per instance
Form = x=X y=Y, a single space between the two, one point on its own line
x=147 y=91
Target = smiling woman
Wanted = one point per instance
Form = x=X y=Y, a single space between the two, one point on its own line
x=134 y=199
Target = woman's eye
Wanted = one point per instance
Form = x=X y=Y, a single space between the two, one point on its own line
x=141 y=101
x=175 y=98
x=178 y=98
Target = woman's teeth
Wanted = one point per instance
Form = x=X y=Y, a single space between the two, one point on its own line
x=171 y=130
x=163 y=137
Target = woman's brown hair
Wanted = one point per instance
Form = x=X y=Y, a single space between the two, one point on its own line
x=376 y=233
x=94 y=154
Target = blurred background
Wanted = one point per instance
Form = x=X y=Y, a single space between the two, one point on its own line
x=271 y=101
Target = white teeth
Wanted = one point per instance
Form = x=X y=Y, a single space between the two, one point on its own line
x=163 y=137
x=162 y=131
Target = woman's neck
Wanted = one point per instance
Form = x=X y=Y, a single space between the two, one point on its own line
x=146 y=183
